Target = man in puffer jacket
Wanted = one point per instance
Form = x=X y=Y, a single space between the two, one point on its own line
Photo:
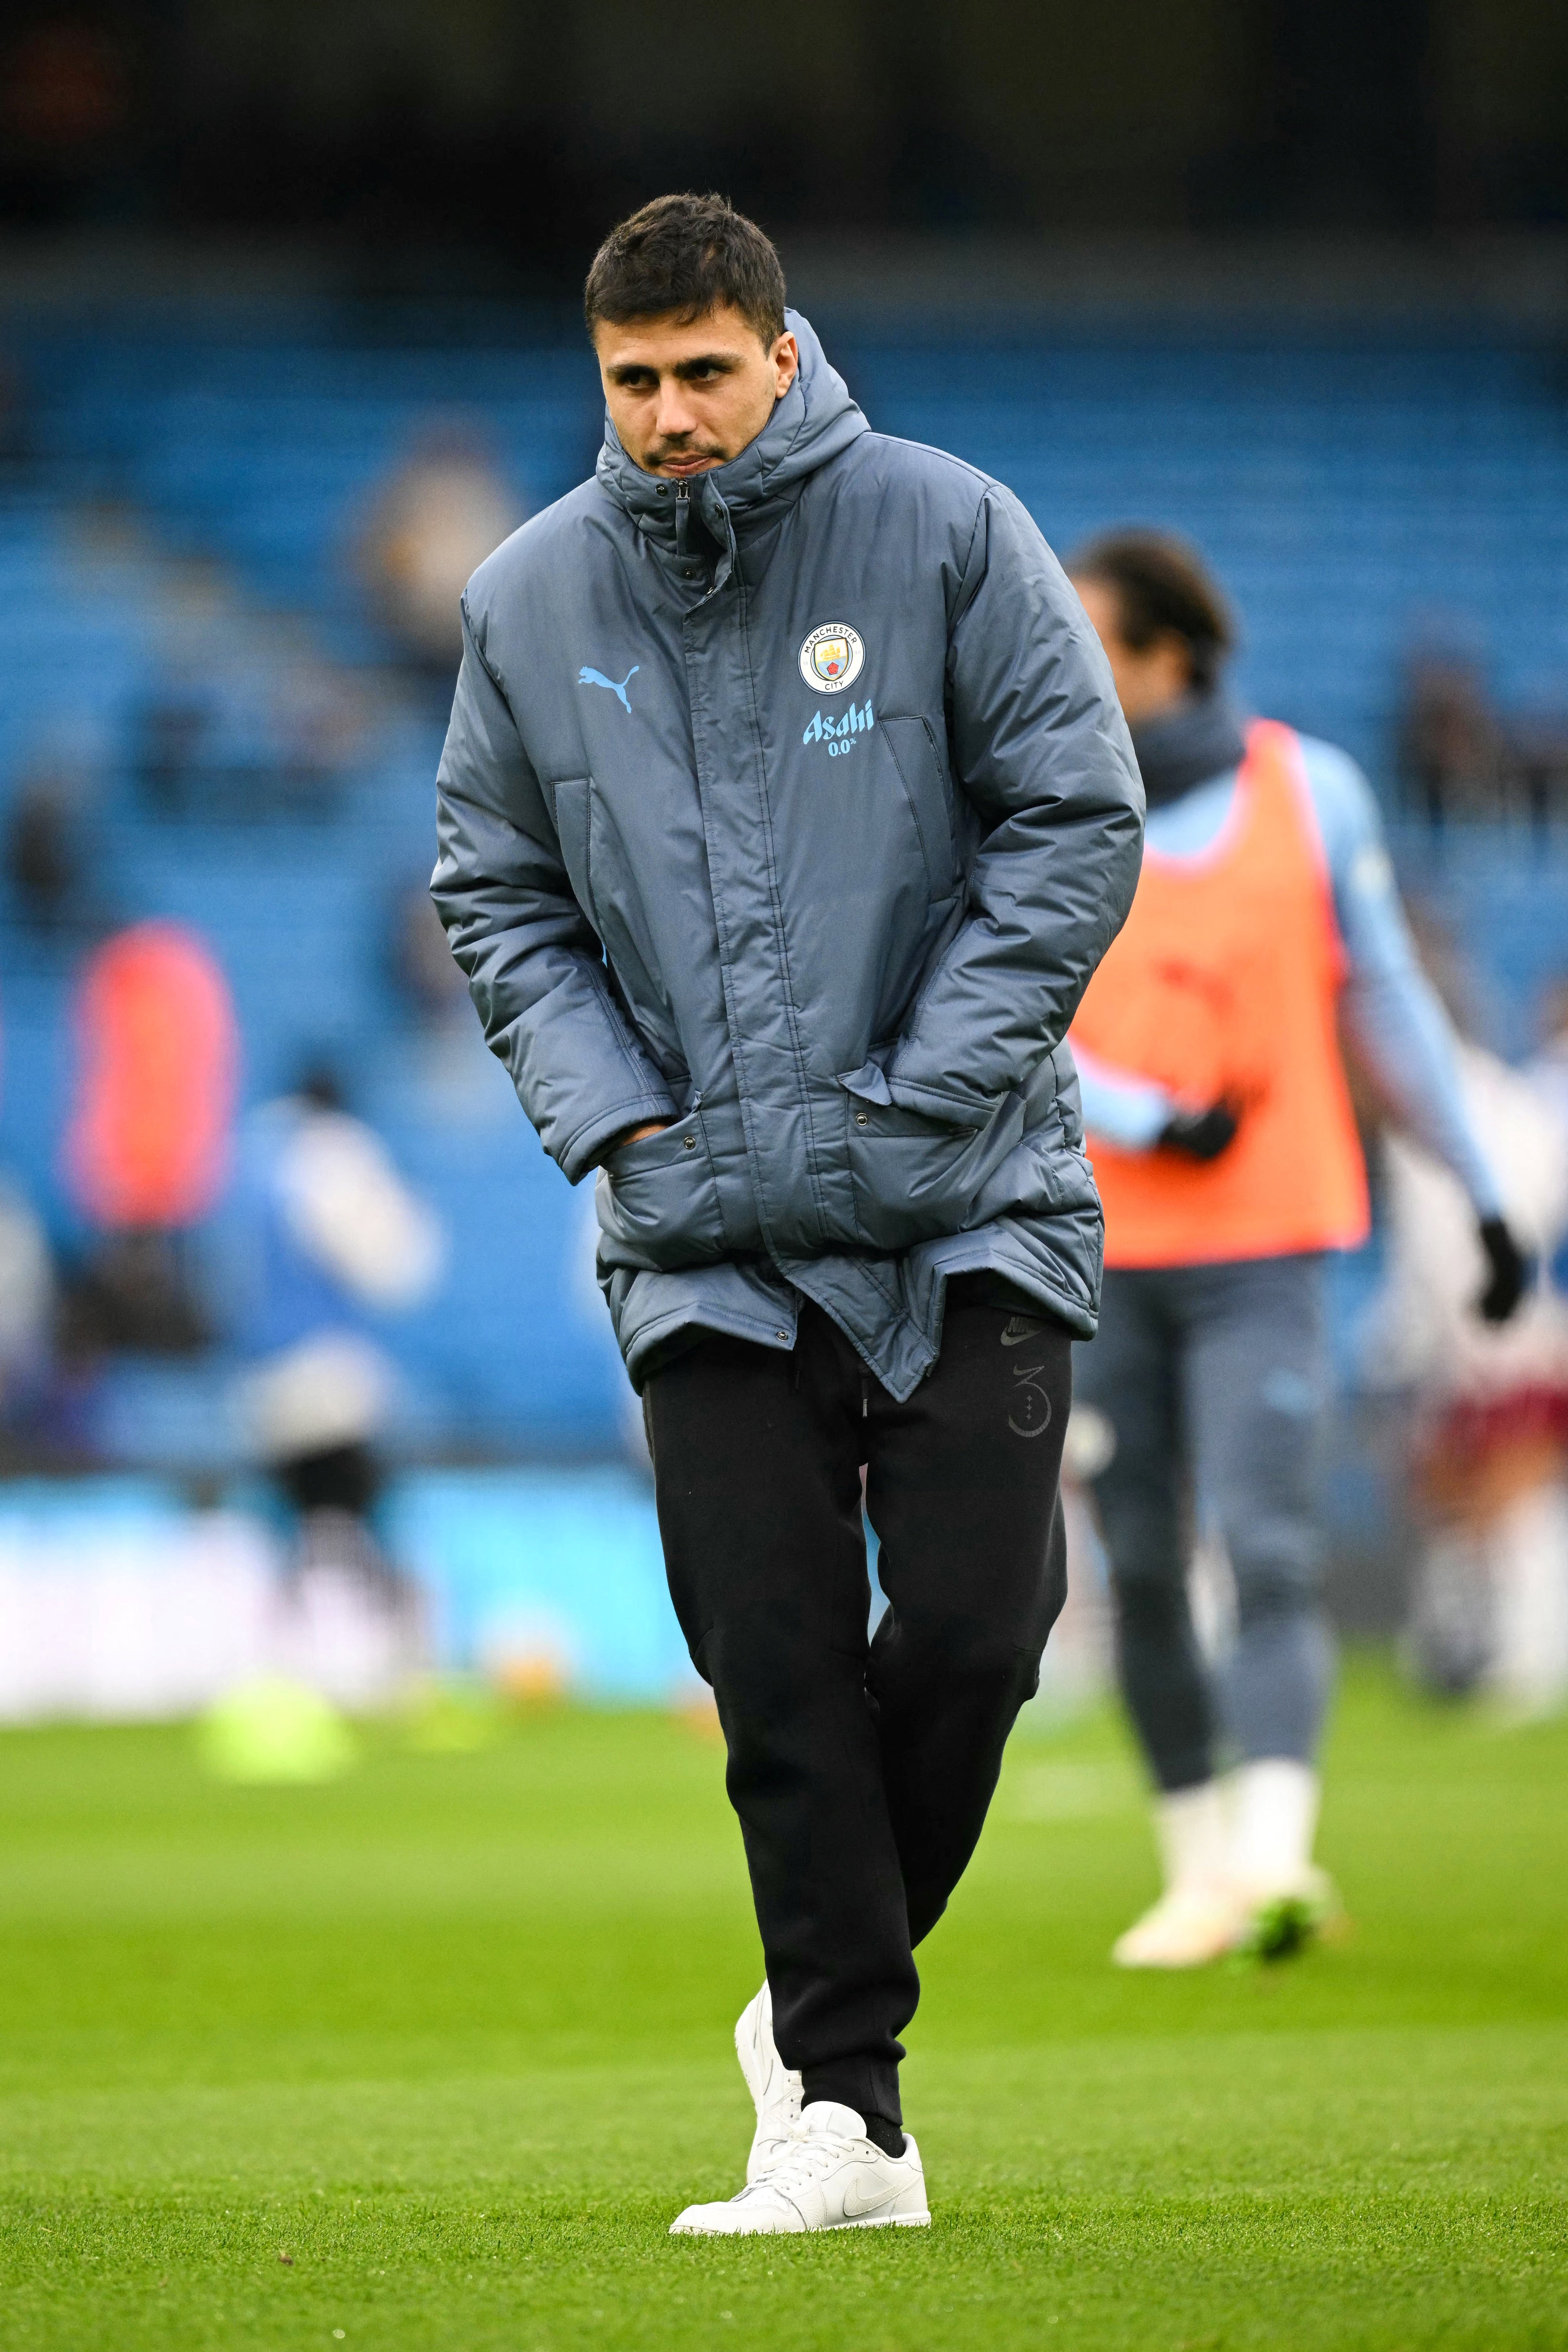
x=786 y=811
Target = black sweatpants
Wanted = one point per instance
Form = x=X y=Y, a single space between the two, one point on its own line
x=862 y=1769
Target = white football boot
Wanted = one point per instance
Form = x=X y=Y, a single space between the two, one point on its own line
x=1290 y=1901
x=774 y=2087
x=829 y=2175
x=1188 y=1927
x=1202 y=1913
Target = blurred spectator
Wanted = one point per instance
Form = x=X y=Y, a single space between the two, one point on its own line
x=1451 y=745
x=47 y=861
x=445 y=509
x=333 y=1240
x=43 y=856
x=147 y=1147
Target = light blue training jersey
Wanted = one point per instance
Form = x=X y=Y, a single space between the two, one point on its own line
x=1398 y=1024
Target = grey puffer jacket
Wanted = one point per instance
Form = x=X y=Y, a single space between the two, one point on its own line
x=795 y=808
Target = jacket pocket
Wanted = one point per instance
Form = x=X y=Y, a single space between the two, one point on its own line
x=569 y=805
x=1046 y=1175
x=658 y=1202
x=914 y=752
x=602 y=884
x=913 y=1177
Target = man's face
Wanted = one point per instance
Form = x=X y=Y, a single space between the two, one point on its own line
x=1149 y=678
x=685 y=399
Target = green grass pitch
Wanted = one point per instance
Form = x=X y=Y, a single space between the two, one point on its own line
x=429 y=2057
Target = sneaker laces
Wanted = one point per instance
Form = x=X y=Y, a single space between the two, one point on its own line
x=809 y=2156
x=794 y=2110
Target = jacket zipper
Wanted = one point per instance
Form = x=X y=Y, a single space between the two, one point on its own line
x=684 y=552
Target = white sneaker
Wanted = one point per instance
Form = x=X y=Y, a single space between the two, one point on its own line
x=829 y=2177
x=1188 y=1926
x=774 y=2087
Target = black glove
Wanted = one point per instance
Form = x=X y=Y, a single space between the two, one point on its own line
x=1201 y=1134
x=1512 y=1272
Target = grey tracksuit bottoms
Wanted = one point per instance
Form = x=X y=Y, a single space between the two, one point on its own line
x=1214 y=1381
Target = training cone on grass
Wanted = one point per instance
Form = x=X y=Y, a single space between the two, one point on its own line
x=273 y=1729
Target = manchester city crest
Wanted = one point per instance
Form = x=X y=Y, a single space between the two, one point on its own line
x=831 y=656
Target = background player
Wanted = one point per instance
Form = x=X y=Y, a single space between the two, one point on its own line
x=1228 y=1163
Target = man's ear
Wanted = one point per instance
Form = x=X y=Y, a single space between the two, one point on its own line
x=785 y=356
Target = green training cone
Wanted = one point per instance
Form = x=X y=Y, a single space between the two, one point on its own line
x=274 y=1730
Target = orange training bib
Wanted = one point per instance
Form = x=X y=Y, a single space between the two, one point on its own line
x=1223 y=981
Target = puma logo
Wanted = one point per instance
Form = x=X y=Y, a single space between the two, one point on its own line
x=586 y=677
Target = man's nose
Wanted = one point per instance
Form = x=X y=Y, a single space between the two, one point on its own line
x=674 y=415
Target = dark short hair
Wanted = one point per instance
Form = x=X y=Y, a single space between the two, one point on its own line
x=685 y=255
x=1160 y=583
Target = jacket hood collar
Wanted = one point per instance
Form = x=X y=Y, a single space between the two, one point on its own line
x=814 y=422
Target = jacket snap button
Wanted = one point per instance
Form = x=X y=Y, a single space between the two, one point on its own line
x=859 y=1119
x=691 y=1143
x=781 y=1335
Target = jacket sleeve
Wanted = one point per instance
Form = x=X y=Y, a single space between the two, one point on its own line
x=534 y=966
x=1042 y=755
